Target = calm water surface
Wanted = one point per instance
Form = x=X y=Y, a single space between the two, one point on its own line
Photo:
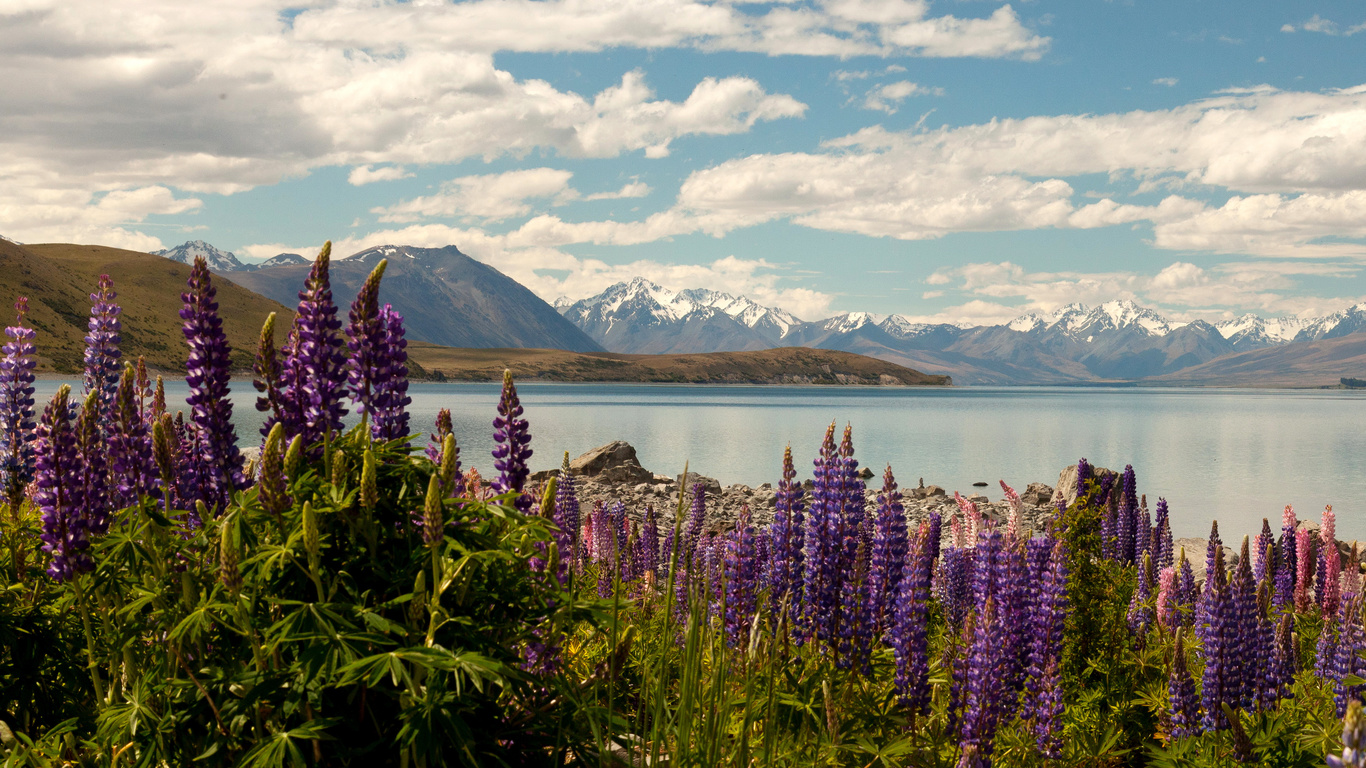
x=1235 y=455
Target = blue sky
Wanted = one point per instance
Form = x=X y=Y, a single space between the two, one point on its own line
x=954 y=160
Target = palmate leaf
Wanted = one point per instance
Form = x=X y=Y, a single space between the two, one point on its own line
x=284 y=746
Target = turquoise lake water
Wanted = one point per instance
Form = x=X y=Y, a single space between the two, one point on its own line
x=1234 y=455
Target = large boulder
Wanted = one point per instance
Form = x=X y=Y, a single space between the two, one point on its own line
x=1037 y=495
x=1066 y=489
x=615 y=462
x=710 y=484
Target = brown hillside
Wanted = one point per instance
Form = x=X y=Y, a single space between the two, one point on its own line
x=1300 y=364
x=789 y=365
x=58 y=279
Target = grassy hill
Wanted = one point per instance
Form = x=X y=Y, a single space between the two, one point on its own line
x=789 y=365
x=1301 y=364
x=59 y=278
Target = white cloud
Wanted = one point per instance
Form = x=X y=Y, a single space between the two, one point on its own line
x=364 y=174
x=1317 y=23
x=841 y=28
x=493 y=196
x=886 y=97
x=1167 y=81
x=629 y=190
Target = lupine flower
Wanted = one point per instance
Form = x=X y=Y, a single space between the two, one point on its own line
x=1328 y=550
x=954 y=584
x=692 y=532
x=1251 y=636
x=742 y=573
x=391 y=398
x=1326 y=652
x=1287 y=569
x=1185 y=593
x=1353 y=739
x=102 y=344
x=365 y=339
x=1047 y=614
x=1185 y=712
x=512 y=446
x=313 y=369
x=987 y=569
x=823 y=542
x=855 y=627
x=1350 y=643
x=1304 y=560
x=229 y=558
x=649 y=542
x=1125 y=535
x=1214 y=547
x=16 y=407
x=956 y=534
x=566 y=517
x=132 y=469
x=93 y=478
x=207 y=373
x=438 y=438
x=971 y=515
x=1165 y=608
x=1013 y=611
x=1330 y=587
x=65 y=527
x=1140 y=614
x=1162 y=537
x=889 y=553
x=1351 y=581
x=1285 y=658
x=274 y=486
x=985 y=691
x=1266 y=562
x=1083 y=475
x=1219 y=645
x=936 y=527
x=908 y=637
x=1143 y=527
x=848 y=526
x=787 y=532
x=1016 y=510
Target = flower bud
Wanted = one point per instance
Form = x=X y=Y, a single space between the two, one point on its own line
x=294 y=457
x=339 y=472
x=161 y=447
x=450 y=463
x=433 y=528
x=312 y=539
x=369 y=487
x=274 y=486
x=228 y=557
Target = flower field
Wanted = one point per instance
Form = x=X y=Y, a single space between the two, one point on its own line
x=356 y=598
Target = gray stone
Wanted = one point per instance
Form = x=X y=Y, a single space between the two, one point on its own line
x=710 y=484
x=1037 y=494
x=1066 y=489
x=615 y=462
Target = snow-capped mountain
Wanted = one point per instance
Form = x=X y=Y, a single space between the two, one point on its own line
x=1253 y=332
x=10 y=240
x=218 y=261
x=641 y=316
x=1334 y=325
x=279 y=260
x=1080 y=323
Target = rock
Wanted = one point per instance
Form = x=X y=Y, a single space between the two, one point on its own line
x=979 y=499
x=710 y=484
x=543 y=475
x=932 y=490
x=1037 y=494
x=866 y=473
x=615 y=462
x=979 y=484
x=1066 y=490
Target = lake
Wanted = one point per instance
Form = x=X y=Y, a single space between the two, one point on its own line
x=1237 y=455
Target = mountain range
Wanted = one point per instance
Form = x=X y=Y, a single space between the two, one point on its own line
x=221 y=262
x=445 y=297
x=1115 y=341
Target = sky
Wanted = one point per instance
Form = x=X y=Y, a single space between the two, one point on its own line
x=958 y=161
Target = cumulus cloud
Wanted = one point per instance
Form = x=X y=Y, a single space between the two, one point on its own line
x=841 y=28
x=364 y=174
x=628 y=190
x=492 y=196
x=887 y=97
x=1167 y=81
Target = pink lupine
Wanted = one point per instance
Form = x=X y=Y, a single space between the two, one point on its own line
x=1016 y=510
x=1165 y=608
x=1304 y=543
x=971 y=513
x=956 y=531
x=1328 y=549
x=1330 y=586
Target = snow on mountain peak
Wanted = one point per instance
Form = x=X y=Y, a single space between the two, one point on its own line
x=187 y=252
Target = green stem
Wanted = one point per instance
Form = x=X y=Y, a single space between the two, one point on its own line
x=89 y=638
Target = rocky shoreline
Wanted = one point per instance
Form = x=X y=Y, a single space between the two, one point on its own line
x=612 y=473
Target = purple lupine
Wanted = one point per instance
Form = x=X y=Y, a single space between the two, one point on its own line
x=1285 y=659
x=1165 y=607
x=1353 y=739
x=1014 y=610
x=1045 y=622
x=1185 y=708
x=1218 y=635
x=1083 y=475
x=786 y=532
x=391 y=398
x=987 y=570
x=1125 y=534
x=909 y=635
x=820 y=588
x=17 y=428
x=365 y=339
x=1250 y=636
x=954 y=584
x=1109 y=547
x=566 y=515
x=692 y=532
x=847 y=526
x=92 y=482
x=985 y=690
x=132 y=470
x=889 y=554
x=438 y=438
x=313 y=367
x=1140 y=614
x=1326 y=651
x=649 y=543
x=1304 y=577
x=1162 y=537
x=65 y=527
x=102 y=344
x=512 y=446
x=742 y=573
x=1351 y=641
x=1185 y=595
x=1213 y=547
x=1266 y=562
x=1143 y=527
x=936 y=528
x=855 y=627
x=1328 y=550
x=1287 y=569
x=207 y=372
